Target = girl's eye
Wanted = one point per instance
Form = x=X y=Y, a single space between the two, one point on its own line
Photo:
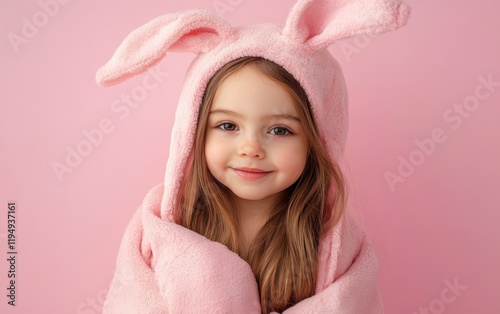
x=280 y=131
x=227 y=126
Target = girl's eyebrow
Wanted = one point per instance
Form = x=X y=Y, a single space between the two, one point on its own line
x=284 y=116
x=224 y=112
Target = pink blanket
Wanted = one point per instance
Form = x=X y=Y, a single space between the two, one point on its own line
x=165 y=268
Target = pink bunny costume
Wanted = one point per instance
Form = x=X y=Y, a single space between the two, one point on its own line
x=170 y=269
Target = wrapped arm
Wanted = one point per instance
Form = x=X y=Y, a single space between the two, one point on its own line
x=165 y=268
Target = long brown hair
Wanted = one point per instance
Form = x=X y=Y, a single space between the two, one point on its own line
x=284 y=253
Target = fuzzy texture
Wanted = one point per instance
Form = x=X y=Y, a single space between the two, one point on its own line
x=165 y=268
x=174 y=270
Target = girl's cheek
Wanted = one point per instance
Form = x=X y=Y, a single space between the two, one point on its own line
x=215 y=148
x=287 y=146
x=290 y=155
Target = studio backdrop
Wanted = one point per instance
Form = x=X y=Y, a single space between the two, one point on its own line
x=76 y=159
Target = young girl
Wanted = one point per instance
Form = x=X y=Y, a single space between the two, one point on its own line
x=250 y=218
x=260 y=176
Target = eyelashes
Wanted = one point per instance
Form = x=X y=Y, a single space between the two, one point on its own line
x=227 y=126
x=278 y=130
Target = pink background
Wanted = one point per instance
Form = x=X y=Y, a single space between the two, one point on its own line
x=437 y=227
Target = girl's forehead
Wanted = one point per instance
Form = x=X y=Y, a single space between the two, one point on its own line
x=249 y=91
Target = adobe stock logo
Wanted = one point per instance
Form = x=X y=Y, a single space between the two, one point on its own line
x=94 y=304
x=121 y=107
x=356 y=47
x=455 y=118
x=30 y=27
x=223 y=6
x=448 y=295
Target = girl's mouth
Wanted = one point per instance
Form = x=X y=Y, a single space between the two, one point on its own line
x=251 y=173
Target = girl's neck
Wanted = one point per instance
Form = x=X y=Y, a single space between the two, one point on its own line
x=252 y=216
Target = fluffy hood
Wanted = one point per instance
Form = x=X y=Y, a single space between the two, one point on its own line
x=300 y=47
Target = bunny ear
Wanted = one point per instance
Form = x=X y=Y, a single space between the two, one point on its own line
x=190 y=31
x=319 y=23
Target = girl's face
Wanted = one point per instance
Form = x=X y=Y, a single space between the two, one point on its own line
x=255 y=144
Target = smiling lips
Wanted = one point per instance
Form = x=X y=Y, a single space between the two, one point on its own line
x=251 y=173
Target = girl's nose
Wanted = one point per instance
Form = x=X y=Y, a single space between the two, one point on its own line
x=251 y=147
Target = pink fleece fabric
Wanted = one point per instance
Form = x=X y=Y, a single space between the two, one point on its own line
x=174 y=270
